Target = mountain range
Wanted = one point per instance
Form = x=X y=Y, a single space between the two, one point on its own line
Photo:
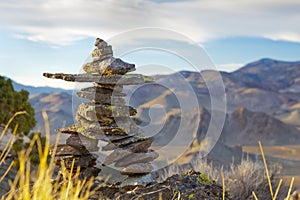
x=262 y=100
x=38 y=90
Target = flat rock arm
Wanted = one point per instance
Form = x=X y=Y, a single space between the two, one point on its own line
x=129 y=79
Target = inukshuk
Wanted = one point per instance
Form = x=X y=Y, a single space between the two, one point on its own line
x=105 y=117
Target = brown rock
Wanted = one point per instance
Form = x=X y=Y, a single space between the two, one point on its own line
x=112 y=87
x=129 y=79
x=99 y=43
x=97 y=89
x=106 y=65
x=88 y=173
x=68 y=130
x=66 y=150
x=102 y=98
x=115 y=128
x=82 y=143
x=97 y=132
x=137 y=158
x=109 y=147
x=123 y=142
x=106 y=138
x=79 y=161
x=101 y=90
x=97 y=112
x=100 y=53
x=139 y=168
x=86 y=123
x=141 y=146
x=75 y=141
x=115 y=156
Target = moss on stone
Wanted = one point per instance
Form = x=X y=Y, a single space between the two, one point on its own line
x=204 y=180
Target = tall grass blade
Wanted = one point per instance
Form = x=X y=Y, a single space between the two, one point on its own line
x=290 y=188
x=266 y=168
x=277 y=190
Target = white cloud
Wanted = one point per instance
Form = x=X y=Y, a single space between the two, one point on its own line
x=229 y=67
x=288 y=36
x=62 y=22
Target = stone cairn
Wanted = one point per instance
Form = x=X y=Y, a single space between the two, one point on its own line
x=105 y=117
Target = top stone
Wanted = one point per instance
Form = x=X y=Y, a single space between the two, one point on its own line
x=104 y=63
x=99 y=43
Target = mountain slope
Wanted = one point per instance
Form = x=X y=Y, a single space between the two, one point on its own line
x=58 y=106
x=268 y=74
x=244 y=127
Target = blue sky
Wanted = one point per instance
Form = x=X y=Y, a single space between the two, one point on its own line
x=39 y=36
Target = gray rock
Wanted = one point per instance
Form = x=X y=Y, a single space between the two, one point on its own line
x=96 y=112
x=125 y=123
x=102 y=98
x=75 y=141
x=66 y=150
x=109 y=175
x=101 y=90
x=96 y=132
x=113 y=128
x=108 y=66
x=129 y=79
x=88 y=173
x=141 y=146
x=106 y=138
x=137 y=158
x=112 y=87
x=109 y=147
x=99 y=121
x=82 y=143
x=138 y=168
x=115 y=156
x=79 y=161
x=68 y=130
x=102 y=52
x=141 y=180
x=99 y=43
x=123 y=142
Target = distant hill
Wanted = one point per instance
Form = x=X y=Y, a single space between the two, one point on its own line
x=271 y=75
x=244 y=127
x=58 y=106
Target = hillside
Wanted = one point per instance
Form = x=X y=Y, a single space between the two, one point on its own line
x=244 y=127
x=263 y=101
x=58 y=106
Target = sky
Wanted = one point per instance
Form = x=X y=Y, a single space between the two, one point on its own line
x=39 y=36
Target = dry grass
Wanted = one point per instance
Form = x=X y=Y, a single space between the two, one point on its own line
x=243 y=179
x=65 y=186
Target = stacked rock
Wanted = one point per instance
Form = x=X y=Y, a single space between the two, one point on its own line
x=106 y=116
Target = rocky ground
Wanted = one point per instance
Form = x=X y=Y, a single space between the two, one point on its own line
x=191 y=185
